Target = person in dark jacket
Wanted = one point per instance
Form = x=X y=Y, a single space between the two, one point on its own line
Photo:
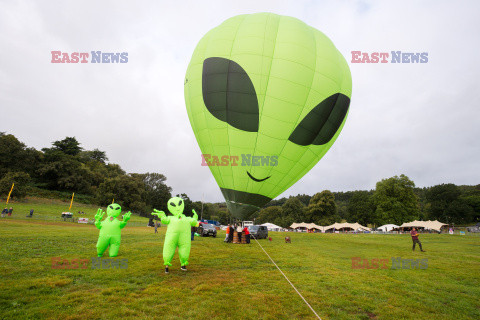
x=193 y=230
x=415 y=240
x=4 y=212
x=230 y=235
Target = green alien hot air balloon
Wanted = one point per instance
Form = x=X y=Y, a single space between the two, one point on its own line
x=271 y=91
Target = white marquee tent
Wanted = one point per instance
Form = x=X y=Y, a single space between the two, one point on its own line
x=432 y=225
x=272 y=227
x=388 y=227
x=335 y=226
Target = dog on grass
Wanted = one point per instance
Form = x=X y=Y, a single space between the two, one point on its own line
x=288 y=240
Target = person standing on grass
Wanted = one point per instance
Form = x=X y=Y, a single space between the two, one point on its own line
x=227 y=234
x=230 y=234
x=156 y=226
x=239 y=232
x=415 y=240
x=10 y=211
x=246 y=233
x=192 y=231
x=4 y=212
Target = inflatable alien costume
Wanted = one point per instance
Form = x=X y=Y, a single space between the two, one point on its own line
x=110 y=229
x=178 y=232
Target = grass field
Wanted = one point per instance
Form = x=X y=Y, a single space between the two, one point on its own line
x=51 y=210
x=227 y=281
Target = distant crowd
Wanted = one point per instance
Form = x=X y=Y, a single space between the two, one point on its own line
x=235 y=234
x=7 y=212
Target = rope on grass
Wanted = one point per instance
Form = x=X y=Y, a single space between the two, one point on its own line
x=287 y=278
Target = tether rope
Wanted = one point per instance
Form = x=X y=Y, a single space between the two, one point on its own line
x=287 y=279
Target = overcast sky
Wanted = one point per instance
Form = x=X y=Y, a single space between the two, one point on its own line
x=421 y=120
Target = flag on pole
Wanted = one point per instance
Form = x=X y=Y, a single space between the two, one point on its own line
x=11 y=189
x=71 y=202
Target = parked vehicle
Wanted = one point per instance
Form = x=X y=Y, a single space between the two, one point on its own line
x=258 y=232
x=206 y=229
x=475 y=228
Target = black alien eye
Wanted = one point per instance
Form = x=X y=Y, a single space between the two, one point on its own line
x=172 y=204
x=320 y=125
x=111 y=207
x=180 y=202
x=229 y=95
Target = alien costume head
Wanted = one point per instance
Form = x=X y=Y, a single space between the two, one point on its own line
x=114 y=210
x=175 y=206
x=260 y=86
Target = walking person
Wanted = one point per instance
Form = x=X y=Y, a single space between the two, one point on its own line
x=156 y=226
x=415 y=240
x=4 y=212
x=10 y=211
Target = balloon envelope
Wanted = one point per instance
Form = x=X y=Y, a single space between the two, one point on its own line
x=267 y=96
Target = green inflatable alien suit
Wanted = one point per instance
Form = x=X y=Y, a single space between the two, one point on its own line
x=110 y=229
x=178 y=232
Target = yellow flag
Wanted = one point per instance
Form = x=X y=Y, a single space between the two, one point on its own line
x=71 y=202
x=8 y=198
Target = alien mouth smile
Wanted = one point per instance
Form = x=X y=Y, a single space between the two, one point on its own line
x=255 y=179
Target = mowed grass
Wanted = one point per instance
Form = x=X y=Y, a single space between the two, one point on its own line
x=232 y=281
x=51 y=209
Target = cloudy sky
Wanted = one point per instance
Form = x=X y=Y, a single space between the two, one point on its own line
x=421 y=120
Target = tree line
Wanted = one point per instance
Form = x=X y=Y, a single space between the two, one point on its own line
x=395 y=200
x=65 y=167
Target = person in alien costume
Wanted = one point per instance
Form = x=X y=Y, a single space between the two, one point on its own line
x=178 y=232
x=110 y=229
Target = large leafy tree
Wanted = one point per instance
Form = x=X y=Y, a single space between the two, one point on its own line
x=16 y=157
x=293 y=210
x=446 y=205
x=321 y=209
x=60 y=171
x=93 y=155
x=127 y=191
x=269 y=214
x=21 y=180
x=224 y=217
x=474 y=202
x=157 y=193
x=69 y=146
x=361 y=208
x=395 y=200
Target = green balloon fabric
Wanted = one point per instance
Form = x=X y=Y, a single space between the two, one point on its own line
x=272 y=93
x=178 y=231
x=110 y=229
